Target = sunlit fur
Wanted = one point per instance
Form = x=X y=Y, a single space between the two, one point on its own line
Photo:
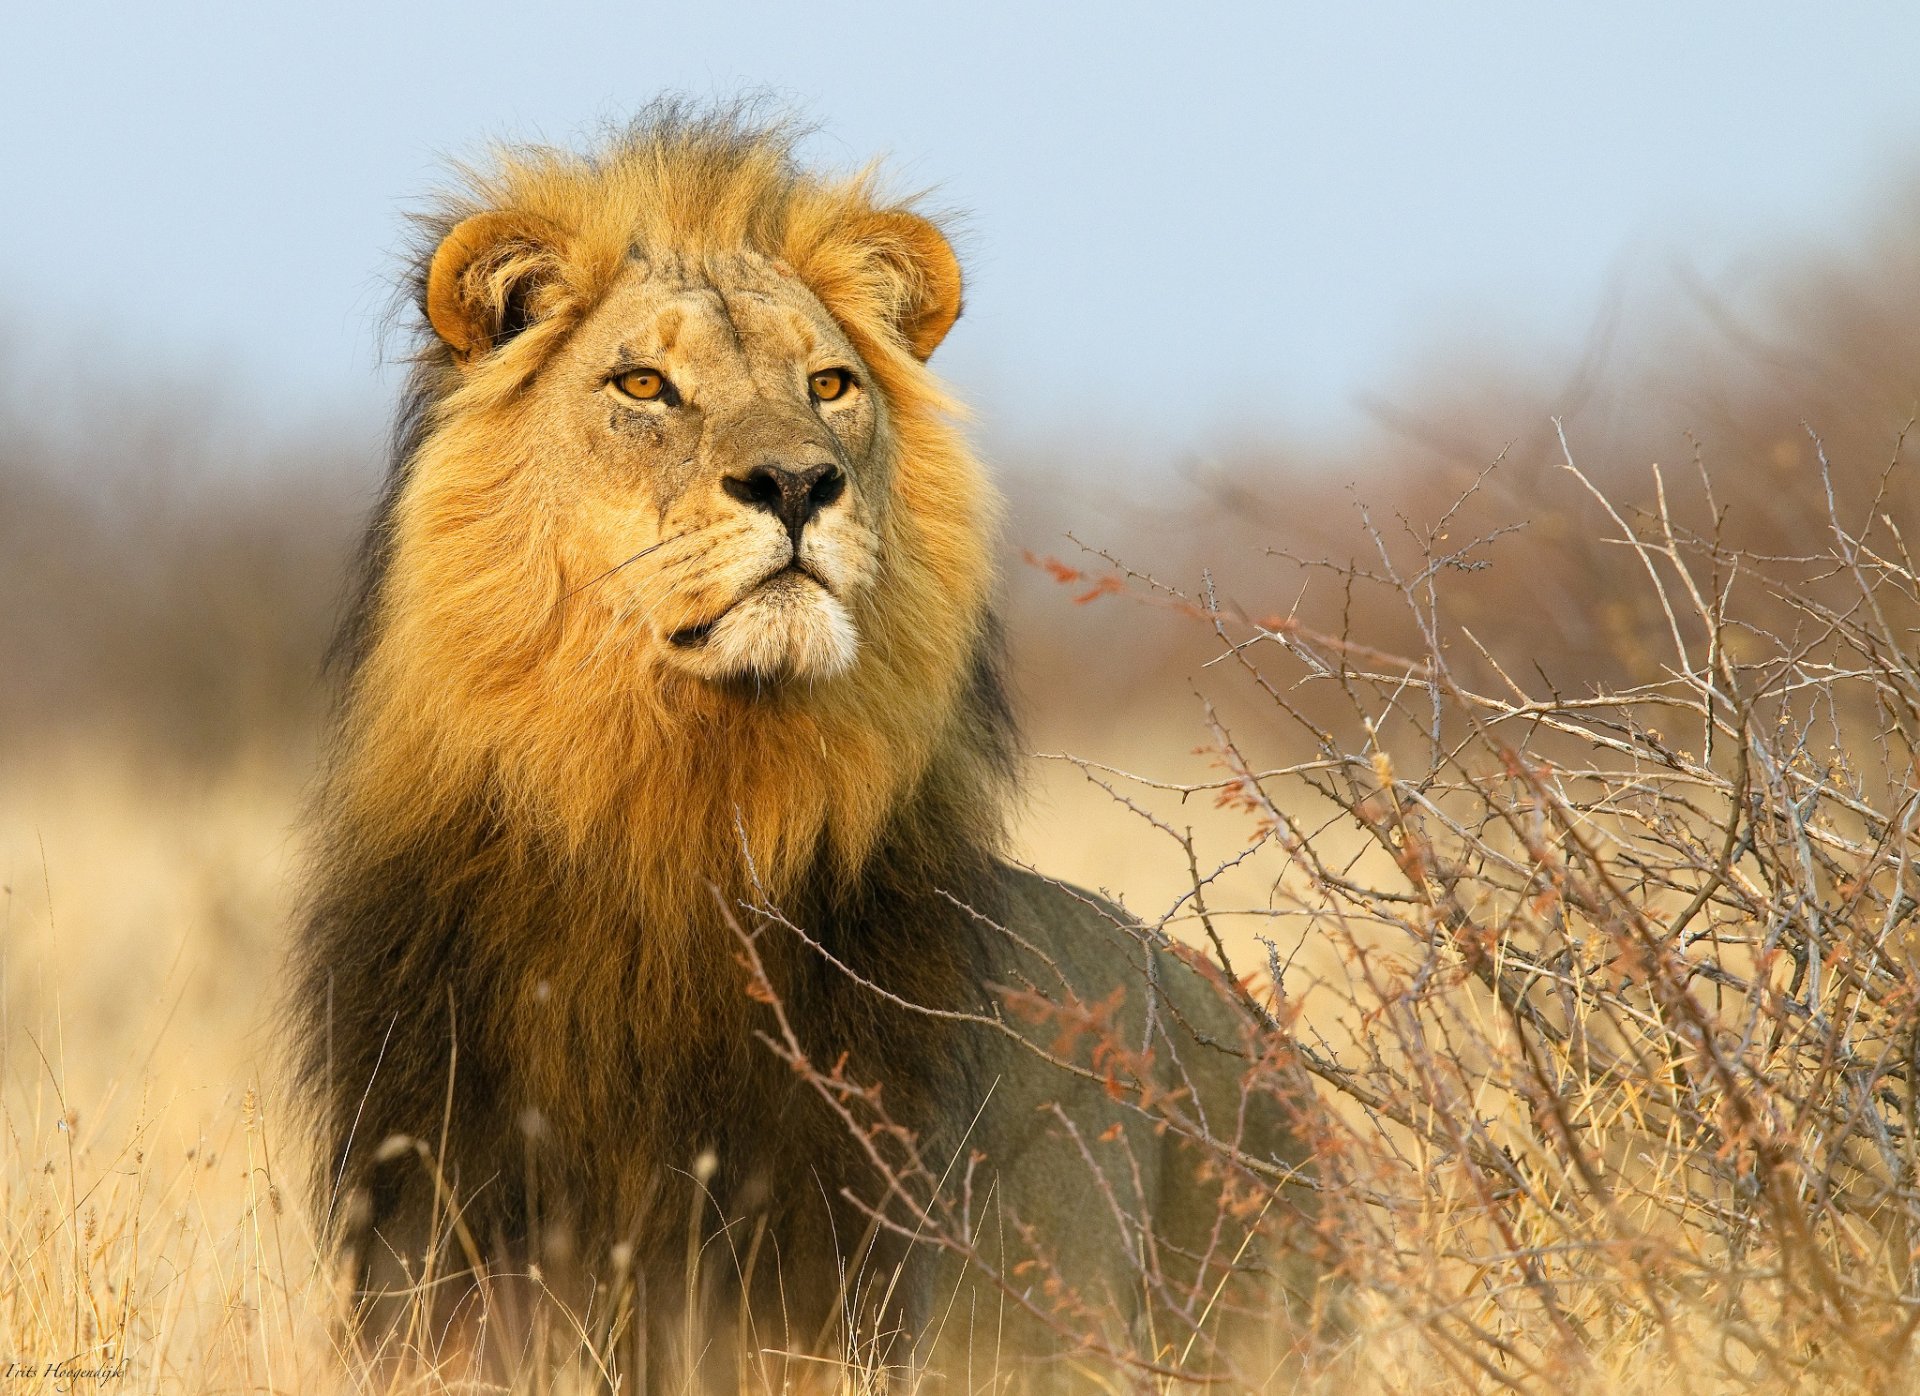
x=586 y=718
x=482 y=678
x=541 y=815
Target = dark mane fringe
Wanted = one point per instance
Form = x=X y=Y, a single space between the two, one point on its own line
x=354 y=632
x=397 y=1019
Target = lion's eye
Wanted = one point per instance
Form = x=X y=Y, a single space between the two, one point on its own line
x=643 y=384
x=829 y=384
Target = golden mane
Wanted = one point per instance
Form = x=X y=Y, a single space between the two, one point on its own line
x=490 y=727
x=545 y=836
x=484 y=665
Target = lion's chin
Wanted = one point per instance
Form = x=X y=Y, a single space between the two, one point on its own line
x=789 y=628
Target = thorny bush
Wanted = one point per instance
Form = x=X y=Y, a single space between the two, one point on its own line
x=1598 y=1009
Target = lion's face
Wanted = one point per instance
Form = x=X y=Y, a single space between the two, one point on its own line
x=722 y=470
x=682 y=535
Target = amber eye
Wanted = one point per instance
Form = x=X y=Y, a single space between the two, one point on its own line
x=829 y=384
x=643 y=384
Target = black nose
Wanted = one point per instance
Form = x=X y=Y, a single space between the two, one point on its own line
x=792 y=496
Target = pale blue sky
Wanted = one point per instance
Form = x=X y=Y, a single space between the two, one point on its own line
x=1182 y=221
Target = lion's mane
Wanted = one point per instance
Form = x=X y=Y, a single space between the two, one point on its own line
x=518 y=944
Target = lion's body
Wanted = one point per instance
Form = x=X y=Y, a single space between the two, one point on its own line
x=626 y=776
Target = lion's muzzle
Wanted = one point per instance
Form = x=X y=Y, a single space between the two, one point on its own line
x=792 y=494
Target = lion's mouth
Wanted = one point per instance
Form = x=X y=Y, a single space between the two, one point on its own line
x=692 y=637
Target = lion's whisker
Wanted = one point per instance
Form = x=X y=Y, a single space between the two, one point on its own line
x=649 y=549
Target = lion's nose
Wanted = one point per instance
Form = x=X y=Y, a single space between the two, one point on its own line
x=791 y=495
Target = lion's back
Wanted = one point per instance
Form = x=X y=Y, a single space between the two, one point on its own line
x=1107 y=1034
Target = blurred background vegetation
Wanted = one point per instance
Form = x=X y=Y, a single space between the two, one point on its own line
x=172 y=555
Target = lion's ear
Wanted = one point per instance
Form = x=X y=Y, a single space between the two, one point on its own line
x=928 y=292
x=491 y=276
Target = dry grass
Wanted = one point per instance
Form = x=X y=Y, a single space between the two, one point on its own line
x=145 y=1200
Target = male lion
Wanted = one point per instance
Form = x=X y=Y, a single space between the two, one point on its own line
x=659 y=951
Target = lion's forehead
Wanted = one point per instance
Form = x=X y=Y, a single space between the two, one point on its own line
x=734 y=270
x=718 y=305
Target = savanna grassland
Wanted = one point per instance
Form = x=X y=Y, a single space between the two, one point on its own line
x=1542 y=767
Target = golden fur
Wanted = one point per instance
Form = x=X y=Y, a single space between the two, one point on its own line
x=623 y=666
x=485 y=645
x=491 y=664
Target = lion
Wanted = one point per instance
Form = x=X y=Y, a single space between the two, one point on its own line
x=660 y=949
